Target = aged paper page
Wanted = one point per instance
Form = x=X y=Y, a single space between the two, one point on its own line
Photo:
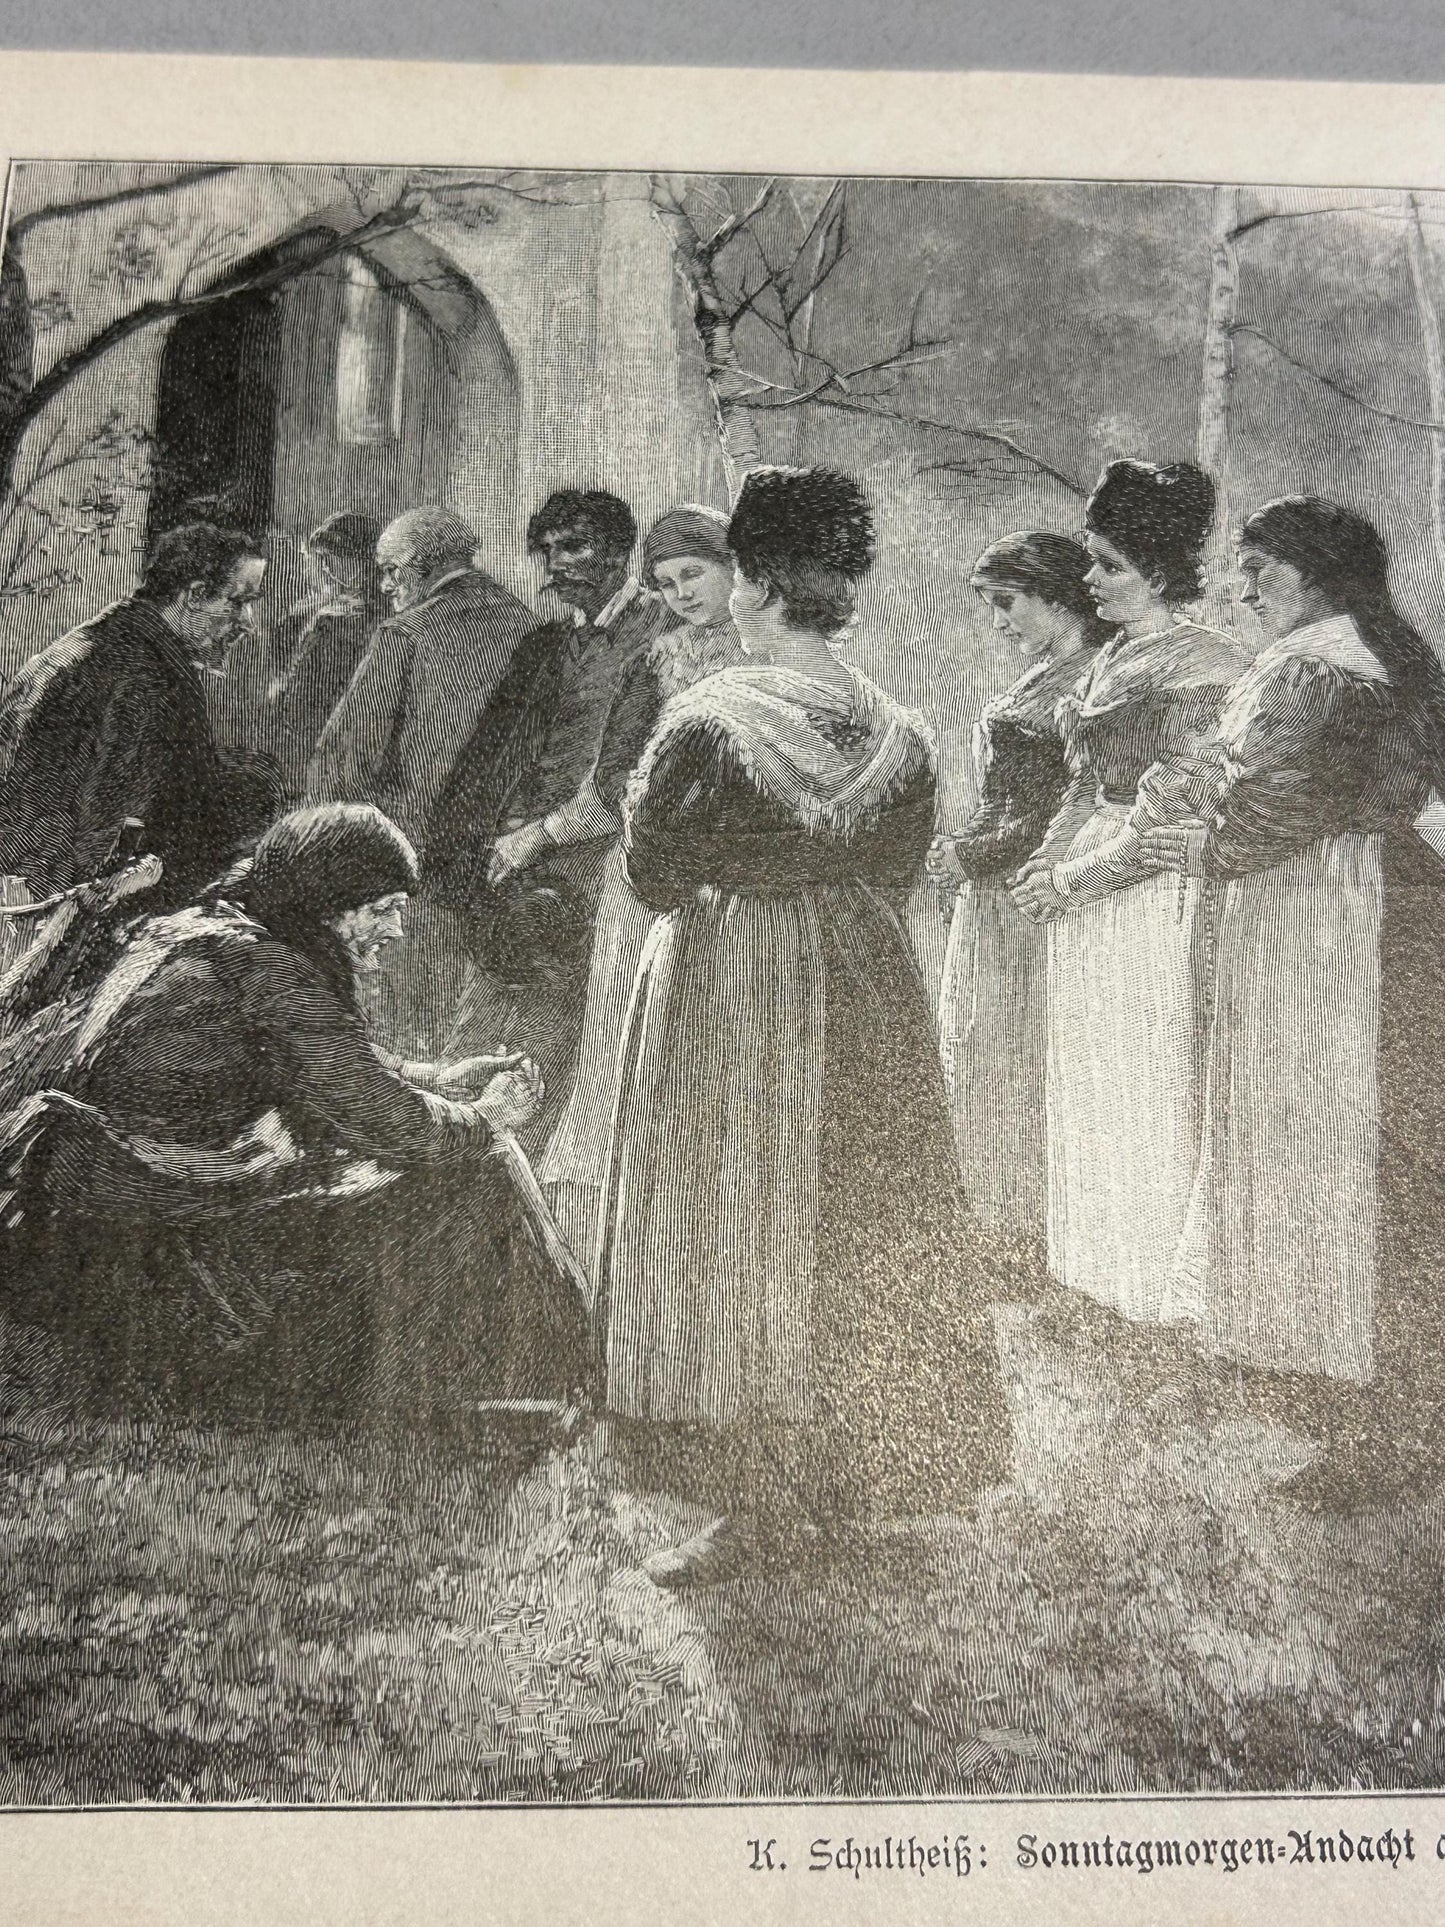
x=722 y=969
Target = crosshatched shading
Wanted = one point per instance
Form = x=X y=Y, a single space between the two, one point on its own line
x=722 y=963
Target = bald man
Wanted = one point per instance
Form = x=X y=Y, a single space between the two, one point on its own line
x=414 y=702
x=426 y=677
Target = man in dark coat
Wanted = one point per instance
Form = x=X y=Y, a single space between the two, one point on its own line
x=500 y=851
x=110 y=722
x=425 y=683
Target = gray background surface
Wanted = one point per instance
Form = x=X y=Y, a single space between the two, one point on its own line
x=1316 y=39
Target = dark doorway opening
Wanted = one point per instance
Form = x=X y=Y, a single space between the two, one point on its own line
x=216 y=416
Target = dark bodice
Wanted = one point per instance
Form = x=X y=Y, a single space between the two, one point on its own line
x=702 y=820
x=230 y=1024
x=1113 y=747
x=1308 y=749
x=1022 y=770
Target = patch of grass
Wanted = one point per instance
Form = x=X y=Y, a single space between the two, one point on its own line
x=237 y=1613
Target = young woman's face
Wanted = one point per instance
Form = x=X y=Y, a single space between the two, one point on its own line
x=1280 y=597
x=695 y=587
x=366 y=931
x=1119 y=591
x=1030 y=623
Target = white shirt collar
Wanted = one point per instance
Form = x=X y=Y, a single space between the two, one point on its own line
x=611 y=610
x=452 y=575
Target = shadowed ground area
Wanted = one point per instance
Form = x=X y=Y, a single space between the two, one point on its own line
x=192 y=1614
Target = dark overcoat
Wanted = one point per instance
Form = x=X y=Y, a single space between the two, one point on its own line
x=108 y=723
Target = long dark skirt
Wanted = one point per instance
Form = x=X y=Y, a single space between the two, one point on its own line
x=406 y=1296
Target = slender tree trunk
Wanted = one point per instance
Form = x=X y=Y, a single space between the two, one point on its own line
x=737 y=432
x=1216 y=395
x=1434 y=374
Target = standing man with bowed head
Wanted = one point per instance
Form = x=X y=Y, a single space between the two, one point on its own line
x=427 y=678
x=110 y=723
x=521 y=836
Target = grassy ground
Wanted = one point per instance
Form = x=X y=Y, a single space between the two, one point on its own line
x=191 y=1614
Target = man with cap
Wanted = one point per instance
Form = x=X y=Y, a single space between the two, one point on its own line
x=428 y=676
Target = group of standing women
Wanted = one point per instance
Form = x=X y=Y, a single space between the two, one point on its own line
x=1197 y=949
x=1196 y=959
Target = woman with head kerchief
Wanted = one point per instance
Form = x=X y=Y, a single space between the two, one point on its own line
x=993 y=999
x=790 y=1329
x=1327 y=750
x=1126 y=965
x=686 y=561
x=226 y=1152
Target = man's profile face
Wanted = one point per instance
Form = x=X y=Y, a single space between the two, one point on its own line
x=213 y=619
x=575 y=568
x=403 y=581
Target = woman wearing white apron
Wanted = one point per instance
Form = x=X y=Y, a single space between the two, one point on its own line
x=1327 y=750
x=1127 y=940
x=686 y=560
x=993 y=1003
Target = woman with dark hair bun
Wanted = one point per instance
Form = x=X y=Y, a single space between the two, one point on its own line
x=1330 y=1026
x=794 y=1335
x=993 y=1001
x=228 y=1176
x=1126 y=962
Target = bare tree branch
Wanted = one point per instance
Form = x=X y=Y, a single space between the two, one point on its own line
x=736 y=224
x=995 y=437
x=147 y=313
x=1335 y=387
x=1306 y=214
x=117 y=197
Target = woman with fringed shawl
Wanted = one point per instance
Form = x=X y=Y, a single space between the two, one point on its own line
x=797 y=1330
x=228 y=1184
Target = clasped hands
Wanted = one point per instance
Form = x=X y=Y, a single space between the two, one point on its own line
x=507 y=1088
x=1035 y=894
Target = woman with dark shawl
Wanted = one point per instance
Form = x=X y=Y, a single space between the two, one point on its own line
x=994 y=997
x=794 y=1334
x=317 y=649
x=1318 y=1196
x=226 y=1149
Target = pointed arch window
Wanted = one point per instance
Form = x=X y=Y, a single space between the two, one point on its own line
x=370 y=357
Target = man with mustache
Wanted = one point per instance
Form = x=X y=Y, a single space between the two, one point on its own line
x=513 y=845
x=110 y=723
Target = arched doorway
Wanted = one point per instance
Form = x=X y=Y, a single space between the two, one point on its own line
x=216 y=415
x=349 y=382
x=339 y=386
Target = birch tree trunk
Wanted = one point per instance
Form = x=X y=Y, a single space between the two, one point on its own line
x=1434 y=374
x=737 y=432
x=1216 y=396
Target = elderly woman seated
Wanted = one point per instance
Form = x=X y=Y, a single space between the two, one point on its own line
x=229 y=1179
